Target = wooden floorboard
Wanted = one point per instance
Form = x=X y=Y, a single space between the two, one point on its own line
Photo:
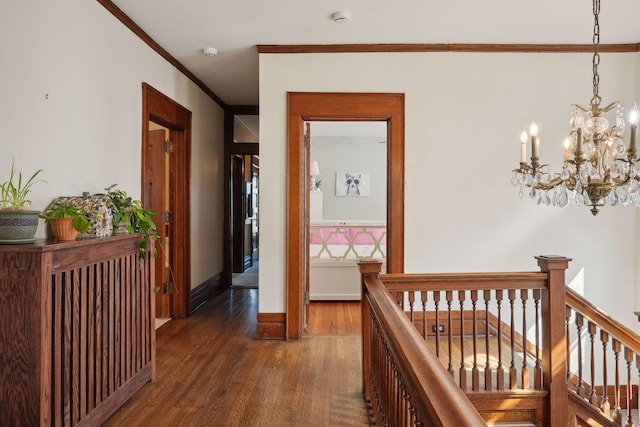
x=211 y=371
x=334 y=317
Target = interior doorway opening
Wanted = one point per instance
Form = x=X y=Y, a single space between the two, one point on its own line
x=304 y=107
x=166 y=154
x=245 y=217
x=242 y=175
x=347 y=210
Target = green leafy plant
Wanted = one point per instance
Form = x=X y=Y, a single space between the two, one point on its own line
x=133 y=216
x=65 y=209
x=14 y=191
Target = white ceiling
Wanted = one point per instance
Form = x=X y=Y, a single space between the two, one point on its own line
x=235 y=27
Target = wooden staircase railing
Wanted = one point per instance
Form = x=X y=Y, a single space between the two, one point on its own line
x=467 y=319
x=522 y=346
x=396 y=392
x=607 y=355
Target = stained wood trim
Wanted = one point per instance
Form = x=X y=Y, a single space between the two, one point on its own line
x=163 y=110
x=308 y=106
x=245 y=148
x=446 y=47
x=207 y=291
x=271 y=326
x=135 y=28
x=520 y=407
x=464 y=281
x=584 y=414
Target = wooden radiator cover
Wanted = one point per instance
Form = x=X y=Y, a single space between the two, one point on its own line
x=77 y=335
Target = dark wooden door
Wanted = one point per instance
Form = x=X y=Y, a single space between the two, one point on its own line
x=156 y=166
x=237 y=213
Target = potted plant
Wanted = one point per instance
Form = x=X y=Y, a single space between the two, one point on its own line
x=17 y=223
x=66 y=220
x=131 y=217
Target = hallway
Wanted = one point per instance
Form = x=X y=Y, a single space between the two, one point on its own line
x=212 y=372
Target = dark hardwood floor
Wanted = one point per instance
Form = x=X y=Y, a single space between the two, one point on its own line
x=212 y=372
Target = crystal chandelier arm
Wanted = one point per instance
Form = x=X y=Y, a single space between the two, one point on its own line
x=584 y=110
x=550 y=185
x=608 y=107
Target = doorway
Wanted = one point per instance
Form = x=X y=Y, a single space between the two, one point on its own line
x=244 y=208
x=347 y=205
x=305 y=107
x=242 y=176
x=166 y=154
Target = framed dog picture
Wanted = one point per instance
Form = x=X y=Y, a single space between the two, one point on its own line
x=352 y=184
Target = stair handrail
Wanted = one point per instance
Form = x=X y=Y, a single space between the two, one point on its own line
x=436 y=396
x=592 y=312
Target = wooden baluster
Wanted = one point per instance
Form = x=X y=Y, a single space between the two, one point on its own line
x=463 y=370
x=537 y=372
x=423 y=298
x=487 y=334
x=449 y=297
x=513 y=373
x=436 y=301
x=616 y=347
x=568 y=343
x=593 y=396
x=475 y=373
x=500 y=368
x=412 y=300
x=628 y=356
x=605 y=406
x=524 y=295
x=404 y=407
x=579 y=324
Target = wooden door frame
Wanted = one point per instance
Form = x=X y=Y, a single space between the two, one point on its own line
x=315 y=106
x=163 y=110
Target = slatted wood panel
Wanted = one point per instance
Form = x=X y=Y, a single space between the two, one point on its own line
x=88 y=342
x=101 y=334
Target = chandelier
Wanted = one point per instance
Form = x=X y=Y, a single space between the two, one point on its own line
x=598 y=168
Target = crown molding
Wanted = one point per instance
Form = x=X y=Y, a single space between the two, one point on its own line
x=135 y=28
x=447 y=47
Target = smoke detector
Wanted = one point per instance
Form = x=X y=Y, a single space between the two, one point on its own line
x=341 y=16
x=209 y=51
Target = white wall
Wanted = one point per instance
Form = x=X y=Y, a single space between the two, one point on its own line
x=71 y=104
x=464 y=114
x=351 y=154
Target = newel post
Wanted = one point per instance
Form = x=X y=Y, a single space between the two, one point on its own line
x=554 y=350
x=367 y=268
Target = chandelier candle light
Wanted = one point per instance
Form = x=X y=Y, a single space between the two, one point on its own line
x=598 y=167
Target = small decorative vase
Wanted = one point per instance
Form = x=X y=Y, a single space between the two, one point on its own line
x=62 y=229
x=18 y=226
x=120 y=228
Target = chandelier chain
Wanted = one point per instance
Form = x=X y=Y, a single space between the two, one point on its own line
x=596 y=55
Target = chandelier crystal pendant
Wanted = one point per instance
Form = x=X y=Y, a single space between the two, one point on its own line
x=599 y=168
